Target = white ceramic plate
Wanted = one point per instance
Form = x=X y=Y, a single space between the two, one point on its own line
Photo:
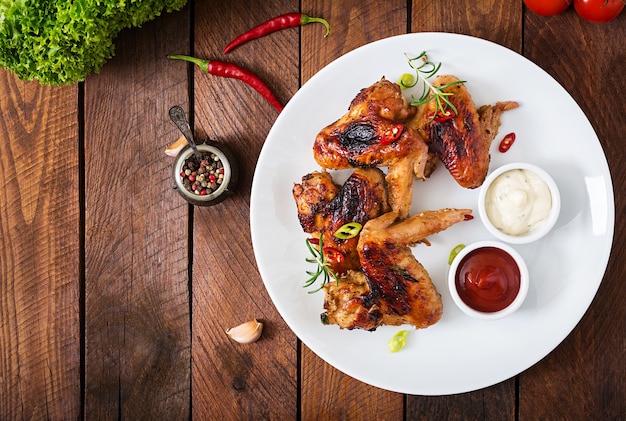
x=459 y=353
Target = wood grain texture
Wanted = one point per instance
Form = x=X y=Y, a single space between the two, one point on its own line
x=137 y=317
x=584 y=377
x=232 y=380
x=353 y=24
x=39 y=251
x=328 y=393
x=493 y=20
x=162 y=281
x=493 y=403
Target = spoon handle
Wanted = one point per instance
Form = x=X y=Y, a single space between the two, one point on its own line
x=177 y=114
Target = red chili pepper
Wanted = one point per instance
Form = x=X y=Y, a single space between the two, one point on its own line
x=288 y=20
x=230 y=70
x=392 y=134
x=314 y=241
x=506 y=143
x=333 y=254
x=442 y=116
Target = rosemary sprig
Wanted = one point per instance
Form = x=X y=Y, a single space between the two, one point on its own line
x=323 y=269
x=424 y=70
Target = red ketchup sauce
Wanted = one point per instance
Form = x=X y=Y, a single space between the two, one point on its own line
x=488 y=279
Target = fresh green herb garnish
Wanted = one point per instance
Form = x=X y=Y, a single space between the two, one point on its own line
x=424 y=70
x=321 y=259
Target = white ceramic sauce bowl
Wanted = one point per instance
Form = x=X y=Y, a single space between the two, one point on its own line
x=457 y=268
x=539 y=230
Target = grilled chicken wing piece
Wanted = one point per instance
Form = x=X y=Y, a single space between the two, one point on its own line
x=489 y=117
x=462 y=142
x=393 y=287
x=372 y=134
x=323 y=207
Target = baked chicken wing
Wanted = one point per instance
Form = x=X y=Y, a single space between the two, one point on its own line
x=373 y=134
x=460 y=141
x=489 y=117
x=393 y=287
x=323 y=207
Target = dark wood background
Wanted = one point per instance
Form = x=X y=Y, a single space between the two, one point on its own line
x=115 y=294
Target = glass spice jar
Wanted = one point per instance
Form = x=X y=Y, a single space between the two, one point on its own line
x=209 y=181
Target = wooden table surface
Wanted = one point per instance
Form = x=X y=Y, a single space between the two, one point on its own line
x=115 y=294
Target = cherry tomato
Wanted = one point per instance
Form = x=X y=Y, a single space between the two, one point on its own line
x=547 y=7
x=598 y=11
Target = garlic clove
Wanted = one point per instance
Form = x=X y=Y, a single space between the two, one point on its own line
x=247 y=332
x=174 y=148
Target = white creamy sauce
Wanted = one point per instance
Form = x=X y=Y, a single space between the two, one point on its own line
x=518 y=201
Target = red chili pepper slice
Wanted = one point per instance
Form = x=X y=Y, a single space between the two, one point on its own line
x=392 y=134
x=506 y=143
x=230 y=70
x=442 y=116
x=288 y=20
x=333 y=254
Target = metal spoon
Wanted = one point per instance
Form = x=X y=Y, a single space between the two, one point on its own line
x=177 y=114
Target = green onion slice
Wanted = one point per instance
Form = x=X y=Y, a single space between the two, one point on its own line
x=456 y=250
x=397 y=341
x=349 y=230
x=407 y=80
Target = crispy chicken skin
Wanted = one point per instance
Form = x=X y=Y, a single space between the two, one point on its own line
x=357 y=140
x=347 y=304
x=323 y=207
x=461 y=143
x=393 y=287
x=313 y=197
x=489 y=117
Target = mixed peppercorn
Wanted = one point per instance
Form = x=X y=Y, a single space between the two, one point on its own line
x=202 y=177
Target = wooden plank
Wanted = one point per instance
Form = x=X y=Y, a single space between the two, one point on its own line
x=232 y=380
x=137 y=322
x=353 y=24
x=584 y=377
x=499 y=22
x=39 y=251
x=327 y=393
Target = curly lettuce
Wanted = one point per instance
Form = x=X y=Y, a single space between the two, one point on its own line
x=62 y=42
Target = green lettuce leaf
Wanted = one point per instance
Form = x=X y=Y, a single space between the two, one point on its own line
x=62 y=42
